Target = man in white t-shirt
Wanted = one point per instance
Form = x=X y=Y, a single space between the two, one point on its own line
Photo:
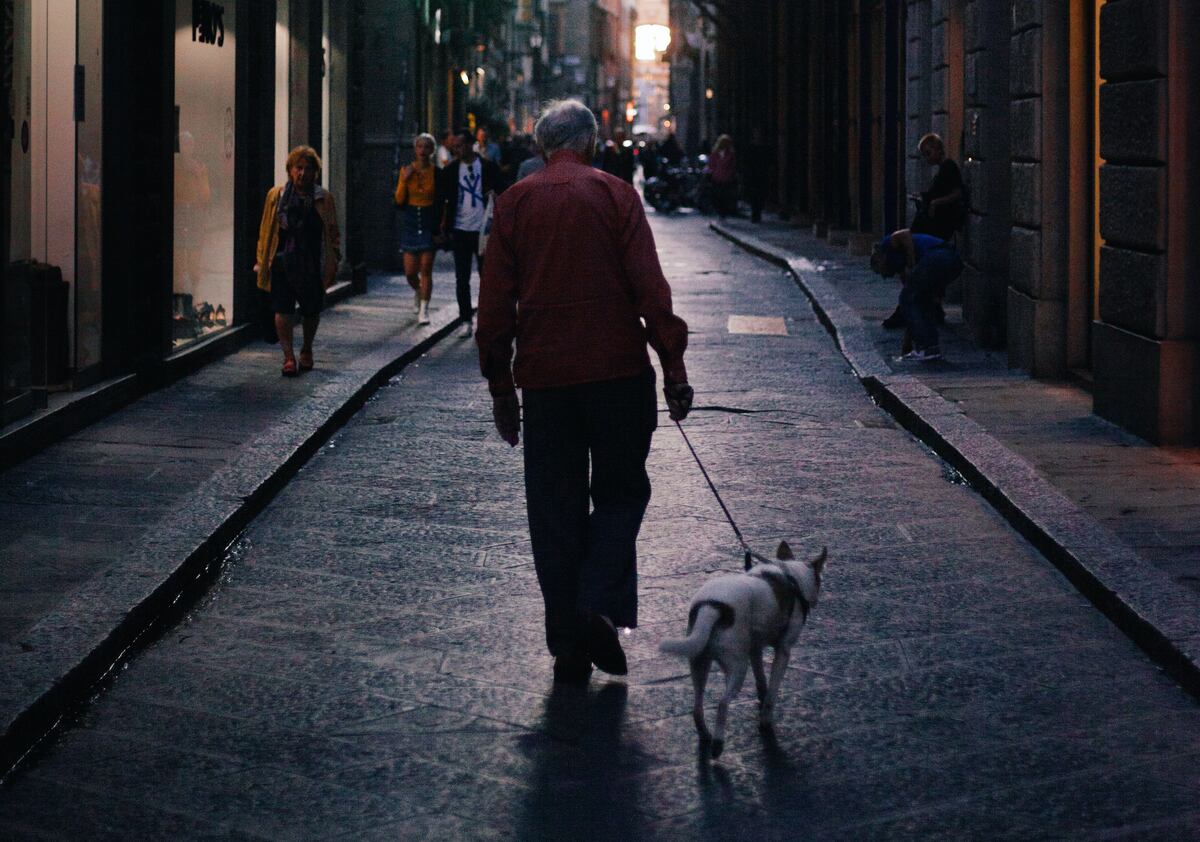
x=444 y=154
x=464 y=187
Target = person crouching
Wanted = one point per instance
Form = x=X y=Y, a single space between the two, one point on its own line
x=926 y=265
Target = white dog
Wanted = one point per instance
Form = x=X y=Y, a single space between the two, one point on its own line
x=733 y=617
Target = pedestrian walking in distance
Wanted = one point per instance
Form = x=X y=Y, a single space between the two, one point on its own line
x=415 y=193
x=572 y=273
x=463 y=188
x=722 y=171
x=299 y=248
x=758 y=173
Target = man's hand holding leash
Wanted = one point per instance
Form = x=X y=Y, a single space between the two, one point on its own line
x=506 y=413
x=679 y=399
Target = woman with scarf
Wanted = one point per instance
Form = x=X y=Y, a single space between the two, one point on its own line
x=299 y=248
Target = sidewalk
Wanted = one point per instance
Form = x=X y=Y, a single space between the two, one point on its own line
x=1120 y=517
x=103 y=531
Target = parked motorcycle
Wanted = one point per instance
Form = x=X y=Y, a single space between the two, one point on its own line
x=685 y=184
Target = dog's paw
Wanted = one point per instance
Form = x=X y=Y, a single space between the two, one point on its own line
x=717 y=747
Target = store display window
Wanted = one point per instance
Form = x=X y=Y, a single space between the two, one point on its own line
x=52 y=75
x=205 y=89
x=15 y=355
x=88 y=186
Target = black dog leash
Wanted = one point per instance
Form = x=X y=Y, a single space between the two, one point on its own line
x=724 y=508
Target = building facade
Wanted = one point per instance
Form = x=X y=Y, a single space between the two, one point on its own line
x=142 y=139
x=651 y=69
x=1075 y=124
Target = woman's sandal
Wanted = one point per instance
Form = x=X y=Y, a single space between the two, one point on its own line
x=306 y=360
x=289 y=367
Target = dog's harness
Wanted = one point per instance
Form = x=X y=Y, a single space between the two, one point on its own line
x=781 y=582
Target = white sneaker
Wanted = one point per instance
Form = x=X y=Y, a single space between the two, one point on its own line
x=467 y=331
x=921 y=355
x=423 y=313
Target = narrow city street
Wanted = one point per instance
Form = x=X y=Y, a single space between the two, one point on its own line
x=371 y=664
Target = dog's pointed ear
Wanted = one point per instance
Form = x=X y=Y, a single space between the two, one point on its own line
x=818 y=563
x=784 y=553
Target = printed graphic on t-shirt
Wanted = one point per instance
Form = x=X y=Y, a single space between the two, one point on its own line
x=471 y=202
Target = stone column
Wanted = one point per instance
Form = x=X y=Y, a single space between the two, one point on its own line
x=986 y=168
x=917 y=72
x=1041 y=132
x=1145 y=350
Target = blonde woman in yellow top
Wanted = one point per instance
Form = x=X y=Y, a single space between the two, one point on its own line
x=414 y=196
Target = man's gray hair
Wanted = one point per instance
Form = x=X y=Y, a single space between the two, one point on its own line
x=566 y=124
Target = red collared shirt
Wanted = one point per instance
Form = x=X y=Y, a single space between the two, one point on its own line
x=570 y=274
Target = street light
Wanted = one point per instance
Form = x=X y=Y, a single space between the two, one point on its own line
x=463 y=77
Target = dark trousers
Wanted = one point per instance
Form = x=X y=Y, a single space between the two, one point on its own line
x=757 y=201
x=926 y=283
x=465 y=245
x=587 y=560
x=725 y=198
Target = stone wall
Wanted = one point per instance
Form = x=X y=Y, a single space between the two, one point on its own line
x=1039 y=128
x=1145 y=348
x=986 y=171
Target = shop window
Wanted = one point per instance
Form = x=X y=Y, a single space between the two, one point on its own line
x=17 y=69
x=88 y=187
x=39 y=291
x=205 y=75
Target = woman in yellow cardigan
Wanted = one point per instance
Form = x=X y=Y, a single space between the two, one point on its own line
x=414 y=196
x=299 y=248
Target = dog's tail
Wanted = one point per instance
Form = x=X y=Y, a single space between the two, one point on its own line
x=705 y=617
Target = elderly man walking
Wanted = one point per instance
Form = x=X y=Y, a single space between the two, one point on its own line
x=571 y=275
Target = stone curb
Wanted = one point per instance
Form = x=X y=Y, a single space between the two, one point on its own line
x=77 y=646
x=1162 y=617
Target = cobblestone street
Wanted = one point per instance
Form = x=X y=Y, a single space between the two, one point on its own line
x=371 y=664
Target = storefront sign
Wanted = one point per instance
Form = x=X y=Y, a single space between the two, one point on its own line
x=208 y=22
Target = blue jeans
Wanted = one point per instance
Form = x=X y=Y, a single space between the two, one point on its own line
x=928 y=280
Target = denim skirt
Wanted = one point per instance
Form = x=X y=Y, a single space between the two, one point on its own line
x=416 y=228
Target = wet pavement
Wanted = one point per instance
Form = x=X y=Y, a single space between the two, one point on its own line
x=371 y=664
